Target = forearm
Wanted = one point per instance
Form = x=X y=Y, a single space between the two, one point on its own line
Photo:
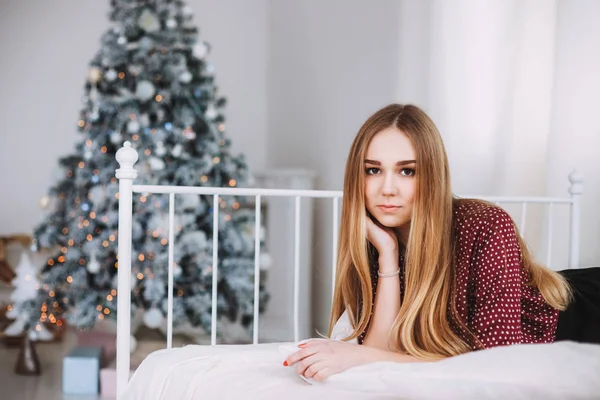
x=386 y=307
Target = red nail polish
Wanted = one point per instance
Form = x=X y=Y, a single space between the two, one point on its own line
x=302 y=345
x=285 y=364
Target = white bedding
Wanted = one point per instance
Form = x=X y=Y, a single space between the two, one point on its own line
x=563 y=370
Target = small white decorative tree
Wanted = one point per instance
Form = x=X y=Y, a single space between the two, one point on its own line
x=26 y=286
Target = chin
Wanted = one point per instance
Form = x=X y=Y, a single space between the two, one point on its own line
x=390 y=221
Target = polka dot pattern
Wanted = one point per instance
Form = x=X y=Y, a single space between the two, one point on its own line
x=492 y=295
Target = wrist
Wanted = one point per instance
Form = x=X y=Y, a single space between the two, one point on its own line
x=388 y=262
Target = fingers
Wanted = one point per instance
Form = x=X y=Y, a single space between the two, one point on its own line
x=300 y=355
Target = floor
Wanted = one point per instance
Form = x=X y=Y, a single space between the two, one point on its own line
x=47 y=386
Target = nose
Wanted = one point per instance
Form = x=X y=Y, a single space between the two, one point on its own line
x=389 y=187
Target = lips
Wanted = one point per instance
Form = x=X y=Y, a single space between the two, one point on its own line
x=388 y=207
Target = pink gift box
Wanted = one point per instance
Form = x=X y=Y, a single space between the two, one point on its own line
x=106 y=340
x=108 y=382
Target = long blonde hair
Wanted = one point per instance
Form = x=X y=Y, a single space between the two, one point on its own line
x=427 y=315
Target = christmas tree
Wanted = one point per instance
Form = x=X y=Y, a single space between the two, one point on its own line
x=150 y=84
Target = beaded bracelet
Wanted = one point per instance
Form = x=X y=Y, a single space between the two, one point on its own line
x=389 y=275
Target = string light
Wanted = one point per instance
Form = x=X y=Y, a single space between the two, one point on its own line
x=236 y=205
x=141 y=257
x=71 y=242
x=227 y=217
x=163 y=241
x=140 y=276
x=89 y=237
x=70 y=279
x=86 y=223
x=81 y=164
x=103 y=149
x=105 y=243
x=221 y=127
x=117 y=195
x=93 y=215
x=121 y=75
x=61 y=259
x=106 y=311
x=158 y=98
x=63 y=250
x=88 y=143
x=109 y=298
x=65 y=231
x=113 y=292
x=135 y=137
x=216 y=160
x=50 y=262
x=111 y=238
x=204 y=178
x=232 y=182
x=147 y=152
x=52 y=294
x=100 y=317
x=143 y=199
x=81 y=261
x=81 y=123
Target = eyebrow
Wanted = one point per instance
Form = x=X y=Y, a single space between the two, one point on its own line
x=399 y=163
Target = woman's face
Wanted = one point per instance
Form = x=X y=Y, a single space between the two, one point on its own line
x=390 y=182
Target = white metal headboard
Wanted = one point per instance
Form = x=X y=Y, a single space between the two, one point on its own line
x=127 y=157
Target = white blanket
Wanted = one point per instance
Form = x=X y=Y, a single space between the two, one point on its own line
x=562 y=370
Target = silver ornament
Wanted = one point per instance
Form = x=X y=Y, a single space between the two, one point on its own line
x=145 y=90
x=116 y=138
x=133 y=126
x=148 y=21
x=110 y=75
x=171 y=23
x=122 y=40
x=185 y=77
x=200 y=50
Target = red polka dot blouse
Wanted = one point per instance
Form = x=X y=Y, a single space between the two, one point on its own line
x=493 y=298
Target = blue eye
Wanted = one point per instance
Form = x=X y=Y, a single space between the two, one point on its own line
x=407 y=172
x=372 y=171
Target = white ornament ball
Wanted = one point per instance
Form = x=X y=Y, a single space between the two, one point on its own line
x=171 y=23
x=160 y=149
x=116 y=138
x=177 y=150
x=44 y=202
x=133 y=126
x=185 y=77
x=145 y=90
x=148 y=21
x=156 y=164
x=121 y=40
x=93 y=266
x=132 y=344
x=110 y=75
x=153 y=318
x=95 y=74
x=177 y=271
x=187 y=11
x=211 y=112
x=200 y=50
x=144 y=120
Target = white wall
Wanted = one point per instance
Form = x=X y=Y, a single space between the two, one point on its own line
x=574 y=140
x=330 y=66
x=46 y=48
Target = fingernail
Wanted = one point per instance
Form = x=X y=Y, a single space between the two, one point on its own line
x=285 y=364
x=302 y=345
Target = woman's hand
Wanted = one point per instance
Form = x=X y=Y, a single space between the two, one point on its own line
x=383 y=238
x=319 y=359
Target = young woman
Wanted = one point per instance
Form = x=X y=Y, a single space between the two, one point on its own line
x=422 y=274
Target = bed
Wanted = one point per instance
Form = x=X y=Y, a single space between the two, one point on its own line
x=253 y=371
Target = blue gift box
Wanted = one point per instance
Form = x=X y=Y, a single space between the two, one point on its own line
x=81 y=371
